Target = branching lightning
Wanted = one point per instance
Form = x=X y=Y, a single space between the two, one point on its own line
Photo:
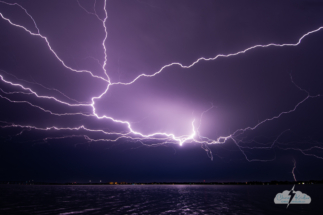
x=193 y=136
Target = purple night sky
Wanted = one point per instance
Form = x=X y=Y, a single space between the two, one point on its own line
x=231 y=87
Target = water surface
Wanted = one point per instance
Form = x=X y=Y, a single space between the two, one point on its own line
x=154 y=199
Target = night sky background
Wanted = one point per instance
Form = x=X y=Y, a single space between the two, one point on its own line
x=143 y=36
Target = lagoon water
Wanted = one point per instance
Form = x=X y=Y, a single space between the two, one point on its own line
x=154 y=199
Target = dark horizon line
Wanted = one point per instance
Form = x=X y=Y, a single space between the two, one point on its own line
x=274 y=182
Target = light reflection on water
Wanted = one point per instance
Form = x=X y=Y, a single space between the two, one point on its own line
x=152 y=199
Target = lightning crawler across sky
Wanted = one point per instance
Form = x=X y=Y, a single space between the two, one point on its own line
x=220 y=55
x=159 y=138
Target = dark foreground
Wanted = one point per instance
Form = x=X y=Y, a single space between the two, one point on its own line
x=154 y=199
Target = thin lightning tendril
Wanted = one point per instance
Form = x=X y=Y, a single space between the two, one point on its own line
x=294 y=161
x=38 y=34
x=163 y=138
x=41 y=85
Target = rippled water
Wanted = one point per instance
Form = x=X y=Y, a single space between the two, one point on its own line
x=153 y=199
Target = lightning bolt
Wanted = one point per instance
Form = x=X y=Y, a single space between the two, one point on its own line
x=294 y=170
x=193 y=136
x=292 y=194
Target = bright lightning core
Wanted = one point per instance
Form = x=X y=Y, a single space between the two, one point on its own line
x=122 y=99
